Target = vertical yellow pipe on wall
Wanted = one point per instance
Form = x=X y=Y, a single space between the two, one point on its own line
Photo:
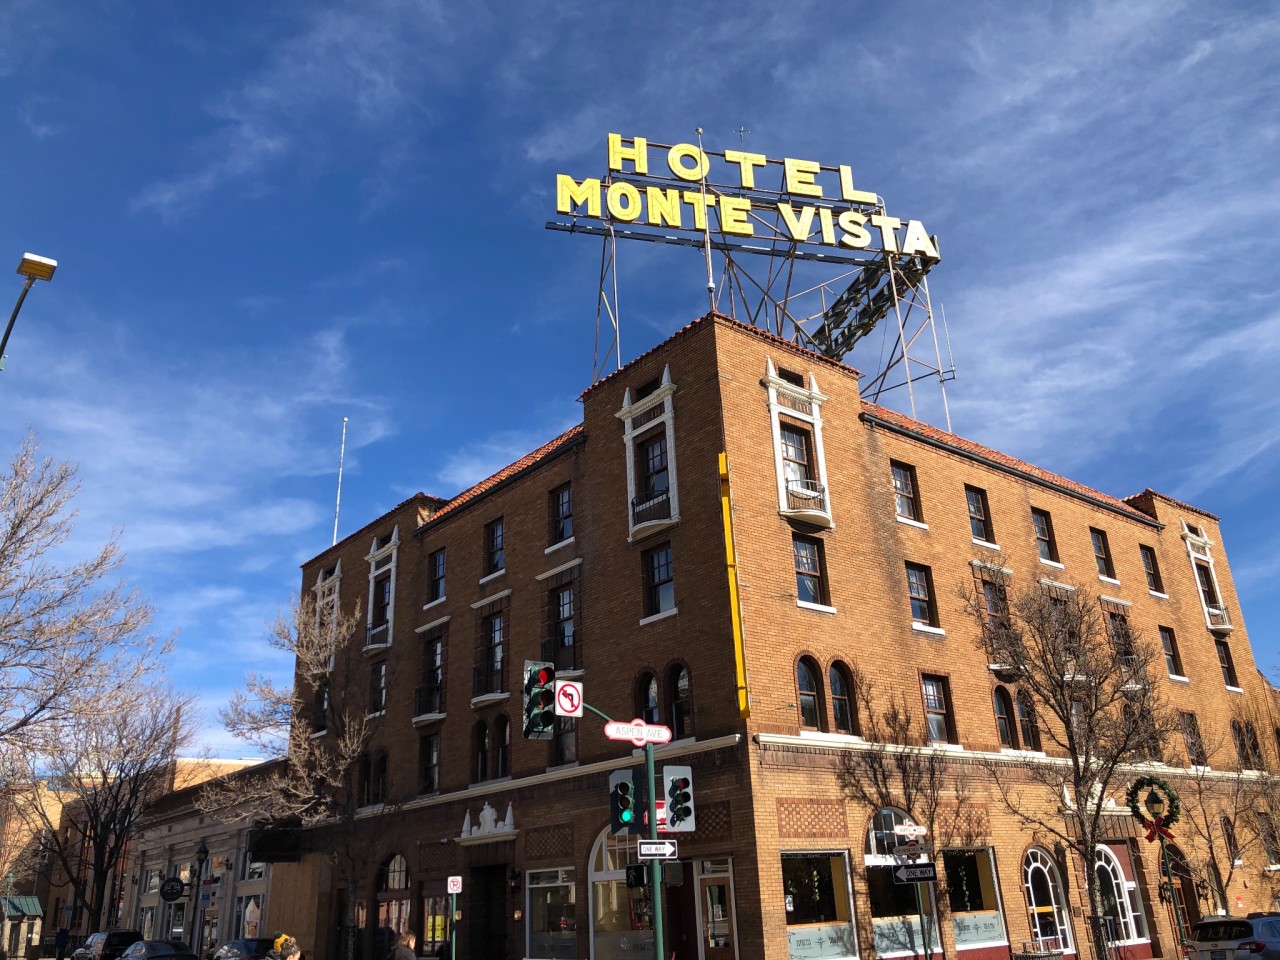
x=735 y=606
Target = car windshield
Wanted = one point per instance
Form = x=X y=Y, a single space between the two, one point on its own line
x=1223 y=930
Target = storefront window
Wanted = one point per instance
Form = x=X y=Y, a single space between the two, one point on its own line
x=147 y=922
x=621 y=918
x=553 y=914
x=815 y=890
x=896 y=908
x=971 y=890
x=435 y=926
x=1048 y=916
x=248 y=913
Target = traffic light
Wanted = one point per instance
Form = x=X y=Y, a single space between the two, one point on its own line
x=539 y=700
x=624 y=803
x=679 y=783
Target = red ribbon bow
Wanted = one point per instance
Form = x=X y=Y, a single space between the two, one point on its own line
x=1157 y=828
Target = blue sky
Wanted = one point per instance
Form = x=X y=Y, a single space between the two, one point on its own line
x=272 y=216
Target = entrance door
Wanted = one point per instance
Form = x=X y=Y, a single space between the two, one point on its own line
x=716 y=905
x=487 y=912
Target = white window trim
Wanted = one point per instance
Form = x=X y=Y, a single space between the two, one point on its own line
x=1158 y=595
x=490 y=577
x=819 y=607
x=434 y=603
x=911 y=523
x=1201 y=548
x=434 y=623
x=1105 y=853
x=1116 y=600
x=928 y=628
x=1056 y=585
x=986 y=544
x=557 y=546
x=653 y=618
x=1179 y=678
x=380 y=559
x=1111 y=580
x=1057 y=564
x=662 y=396
x=814 y=397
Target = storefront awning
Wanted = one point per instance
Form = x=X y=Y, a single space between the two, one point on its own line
x=15 y=907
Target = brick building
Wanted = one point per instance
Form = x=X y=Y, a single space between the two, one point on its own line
x=853 y=529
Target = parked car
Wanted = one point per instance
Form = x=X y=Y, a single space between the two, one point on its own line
x=250 y=948
x=1235 y=938
x=162 y=949
x=106 y=945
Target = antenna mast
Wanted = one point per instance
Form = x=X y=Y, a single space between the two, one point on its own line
x=337 y=503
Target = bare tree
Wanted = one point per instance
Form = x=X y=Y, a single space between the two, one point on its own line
x=1087 y=676
x=67 y=633
x=105 y=771
x=323 y=732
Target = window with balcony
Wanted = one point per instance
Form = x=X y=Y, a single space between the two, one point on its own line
x=1226 y=663
x=844 y=712
x=1102 y=553
x=905 y=498
x=659 y=581
x=924 y=605
x=429 y=764
x=561 y=514
x=1200 y=552
x=1151 y=567
x=939 y=720
x=795 y=420
x=435 y=576
x=377 y=687
x=808 y=694
x=811 y=577
x=980 y=526
x=1196 y=755
x=649 y=439
x=382 y=582
x=495 y=552
x=1172 y=659
x=1046 y=544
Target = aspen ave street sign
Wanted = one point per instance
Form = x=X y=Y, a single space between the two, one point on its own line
x=910 y=830
x=656 y=849
x=638 y=732
x=919 y=873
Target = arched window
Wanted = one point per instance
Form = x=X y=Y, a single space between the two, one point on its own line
x=895 y=911
x=1004 y=718
x=480 y=752
x=620 y=916
x=1121 y=907
x=1050 y=929
x=393 y=901
x=647 y=698
x=843 y=710
x=1027 y=722
x=681 y=703
x=502 y=746
x=807 y=693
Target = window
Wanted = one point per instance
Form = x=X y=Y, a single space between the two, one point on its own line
x=1045 y=542
x=560 y=646
x=1245 y=737
x=1224 y=661
x=382 y=580
x=502 y=746
x=429 y=697
x=796 y=424
x=895 y=911
x=251 y=869
x=1050 y=926
x=1102 y=553
x=436 y=568
x=815 y=889
x=373 y=778
x=681 y=703
x=653 y=479
x=807 y=691
x=565 y=743
x=1229 y=838
x=842 y=704
x=995 y=602
x=1151 y=568
x=1208 y=583
x=429 y=764
x=659 y=581
x=649 y=437
x=1269 y=836
x=905 y=501
x=1027 y=724
x=1121 y=907
x=381 y=610
x=979 y=515
x=495 y=557
x=796 y=455
x=1121 y=638
x=647 y=698
x=377 y=686
x=1005 y=727
x=924 y=609
x=561 y=513
x=811 y=586
x=480 y=752
x=937 y=709
x=1169 y=643
x=971 y=890
x=246 y=915
x=489 y=671
x=553 y=914
x=1196 y=755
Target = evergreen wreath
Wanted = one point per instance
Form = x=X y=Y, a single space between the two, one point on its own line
x=1171 y=799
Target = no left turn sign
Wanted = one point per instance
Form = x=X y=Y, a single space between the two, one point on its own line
x=568 y=698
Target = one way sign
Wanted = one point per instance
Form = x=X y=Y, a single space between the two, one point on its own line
x=916 y=873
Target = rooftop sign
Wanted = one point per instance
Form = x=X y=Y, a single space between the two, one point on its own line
x=739 y=197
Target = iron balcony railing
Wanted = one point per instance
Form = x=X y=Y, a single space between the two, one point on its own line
x=1218 y=616
x=428 y=698
x=654 y=505
x=563 y=652
x=376 y=635
x=806 y=495
x=486 y=678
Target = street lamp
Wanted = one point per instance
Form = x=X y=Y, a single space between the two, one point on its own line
x=202 y=855
x=33 y=268
x=1162 y=807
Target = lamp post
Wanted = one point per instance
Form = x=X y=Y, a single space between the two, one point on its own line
x=33 y=268
x=202 y=855
x=1157 y=805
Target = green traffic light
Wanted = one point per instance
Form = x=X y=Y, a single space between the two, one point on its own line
x=625 y=816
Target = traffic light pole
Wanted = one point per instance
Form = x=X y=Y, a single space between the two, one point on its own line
x=655 y=865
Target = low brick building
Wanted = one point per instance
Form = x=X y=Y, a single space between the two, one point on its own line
x=852 y=531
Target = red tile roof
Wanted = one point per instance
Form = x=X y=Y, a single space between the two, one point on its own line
x=1153 y=494
x=961 y=445
x=524 y=463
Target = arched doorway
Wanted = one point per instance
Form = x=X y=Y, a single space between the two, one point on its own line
x=1184 y=889
x=1046 y=907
